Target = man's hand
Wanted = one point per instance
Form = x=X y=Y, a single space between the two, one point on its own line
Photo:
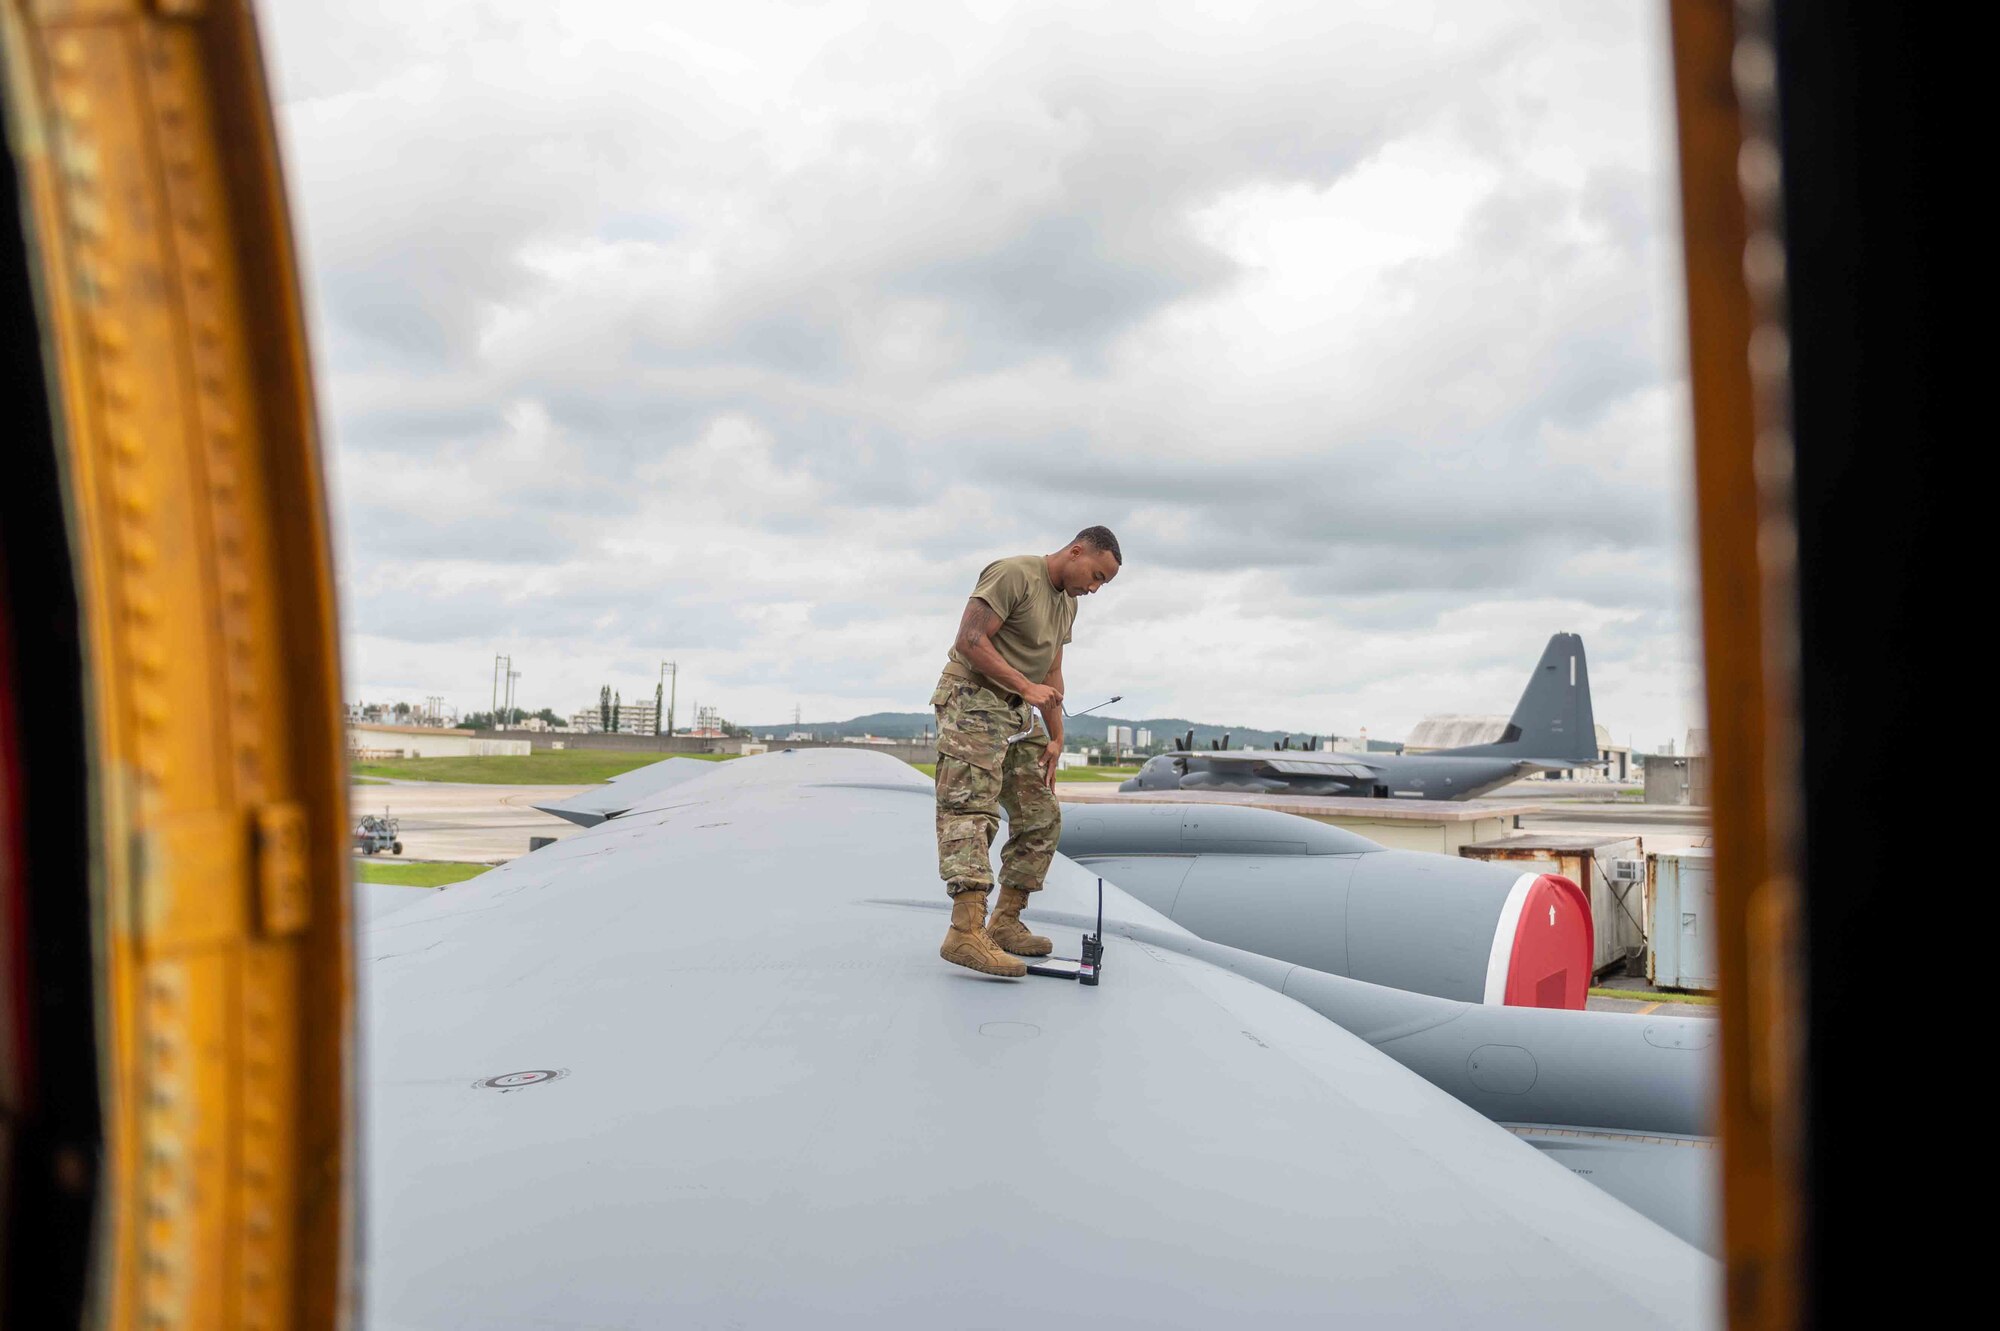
x=1052 y=717
x=1042 y=696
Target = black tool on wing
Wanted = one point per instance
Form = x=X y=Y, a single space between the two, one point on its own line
x=1089 y=967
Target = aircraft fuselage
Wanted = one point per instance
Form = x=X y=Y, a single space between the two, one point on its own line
x=1424 y=776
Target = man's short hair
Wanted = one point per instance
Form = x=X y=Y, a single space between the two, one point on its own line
x=1100 y=538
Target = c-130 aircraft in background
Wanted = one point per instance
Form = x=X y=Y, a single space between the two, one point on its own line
x=1552 y=729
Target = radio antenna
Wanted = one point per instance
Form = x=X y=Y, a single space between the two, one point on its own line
x=1090 y=964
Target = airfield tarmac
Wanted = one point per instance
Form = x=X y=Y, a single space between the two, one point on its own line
x=472 y=824
x=1579 y=806
x=490 y=824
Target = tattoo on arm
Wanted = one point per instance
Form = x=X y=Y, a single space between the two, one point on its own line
x=975 y=646
x=977 y=625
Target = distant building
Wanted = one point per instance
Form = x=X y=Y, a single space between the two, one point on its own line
x=385 y=713
x=1360 y=744
x=868 y=739
x=634 y=718
x=1144 y=739
x=1458 y=731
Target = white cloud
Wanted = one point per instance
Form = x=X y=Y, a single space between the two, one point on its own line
x=746 y=334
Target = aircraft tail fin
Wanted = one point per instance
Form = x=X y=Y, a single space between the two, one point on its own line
x=1553 y=720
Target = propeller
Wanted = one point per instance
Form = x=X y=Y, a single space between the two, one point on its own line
x=1225 y=739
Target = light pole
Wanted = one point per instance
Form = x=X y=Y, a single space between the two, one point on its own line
x=670 y=675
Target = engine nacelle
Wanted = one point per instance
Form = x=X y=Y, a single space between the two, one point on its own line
x=1320 y=896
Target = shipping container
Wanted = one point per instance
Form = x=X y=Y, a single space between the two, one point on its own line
x=1610 y=871
x=1680 y=919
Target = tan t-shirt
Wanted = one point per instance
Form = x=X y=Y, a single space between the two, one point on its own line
x=1035 y=619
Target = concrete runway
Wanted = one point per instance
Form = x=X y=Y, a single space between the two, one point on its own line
x=1581 y=806
x=1673 y=832
x=475 y=824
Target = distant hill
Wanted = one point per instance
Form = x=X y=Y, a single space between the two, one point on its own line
x=909 y=725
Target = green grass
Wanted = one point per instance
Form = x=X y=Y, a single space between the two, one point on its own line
x=555 y=767
x=416 y=875
x=1654 y=996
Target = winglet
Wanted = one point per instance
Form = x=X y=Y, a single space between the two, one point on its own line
x=625 y=790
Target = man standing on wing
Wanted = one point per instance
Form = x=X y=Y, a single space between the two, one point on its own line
x=1007 y=658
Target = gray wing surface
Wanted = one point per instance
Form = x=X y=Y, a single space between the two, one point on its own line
x=1289 y=762
x=758 y=1098
x=626 y=789
x=1674 y=1180
x=1307 y=767
x=374 y=900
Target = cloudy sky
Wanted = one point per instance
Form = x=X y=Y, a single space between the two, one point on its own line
x=744 y=335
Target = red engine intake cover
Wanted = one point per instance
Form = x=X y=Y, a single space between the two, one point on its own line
x=1549 y=965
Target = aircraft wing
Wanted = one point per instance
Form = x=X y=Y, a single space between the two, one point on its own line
x=1308 y=767
x=697 y=1066
x=625 y=790
x=374 y=900
x=1292 y=763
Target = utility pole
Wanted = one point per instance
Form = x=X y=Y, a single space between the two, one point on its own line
x=670 y=674
x=504 y=676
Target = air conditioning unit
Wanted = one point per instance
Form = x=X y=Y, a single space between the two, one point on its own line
x=1626 y=871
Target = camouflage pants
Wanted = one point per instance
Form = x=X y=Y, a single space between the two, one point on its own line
x=978 y=775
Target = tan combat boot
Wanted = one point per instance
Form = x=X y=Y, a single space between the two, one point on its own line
x=1007 y=931
x=967 y=944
